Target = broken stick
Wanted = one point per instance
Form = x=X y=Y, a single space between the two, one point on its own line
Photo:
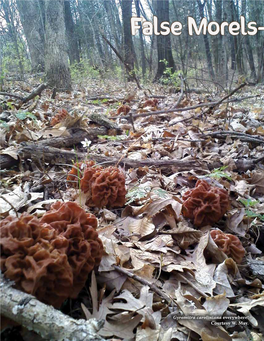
x=48 y=322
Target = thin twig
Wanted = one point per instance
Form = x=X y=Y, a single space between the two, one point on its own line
x=11 y=95
x=143 y=281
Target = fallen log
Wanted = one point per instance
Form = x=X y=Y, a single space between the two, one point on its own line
x=48 y=322
x=76 y=136
x=55 y=156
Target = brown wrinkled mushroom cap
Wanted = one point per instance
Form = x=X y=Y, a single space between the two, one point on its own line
x=204 y=204
x=52 y=257
x=123 y=109
x=59 y=117
x=229 y=244
x=106 y=187
x=151 y=103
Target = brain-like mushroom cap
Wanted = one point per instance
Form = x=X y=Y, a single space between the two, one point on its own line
x=204 y=204
x=106 y=187
x=229 y=244
x=123 y=109
x=52 y=257
x=59 y=117
x=151 y=103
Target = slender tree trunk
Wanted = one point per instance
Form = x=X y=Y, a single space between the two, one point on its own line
x=143 y=58
x=129 y=56
x=206 y=42
x=163 y=42
x=71 y=34
x=56 y=59
x=248 y=45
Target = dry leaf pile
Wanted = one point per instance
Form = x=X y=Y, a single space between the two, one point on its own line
x=161 y=277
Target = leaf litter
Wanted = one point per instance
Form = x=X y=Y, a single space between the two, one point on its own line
x=160 y=278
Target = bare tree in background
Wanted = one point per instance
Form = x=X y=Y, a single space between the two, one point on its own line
x=31 y=19
x=206 y=41
x=129 y=56
x=71 y=34
x=9 y=18
x=163 y=42
x=56 y=57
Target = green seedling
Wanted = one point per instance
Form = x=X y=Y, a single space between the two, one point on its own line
x=219 y=173
x=23 y=115
x=248 y=202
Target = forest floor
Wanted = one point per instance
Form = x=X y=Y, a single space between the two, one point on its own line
x=157 y=267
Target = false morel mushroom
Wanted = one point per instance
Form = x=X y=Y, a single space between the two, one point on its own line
x=50 y=257
x=205 y=204
x=106 y=187
x=229 y=244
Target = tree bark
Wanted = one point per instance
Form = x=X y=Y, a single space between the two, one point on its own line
x=48 y=322
x=248 y=45
x=163 y=42
x=143 y=58
x=206 y=42
x=129 y=57
x=30 y=15
x=71 y=34
x=56 y=58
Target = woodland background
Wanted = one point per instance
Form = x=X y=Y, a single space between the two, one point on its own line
x=93 y=39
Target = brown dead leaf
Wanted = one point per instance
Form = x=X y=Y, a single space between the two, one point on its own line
x=257 y=179
x=184 y=235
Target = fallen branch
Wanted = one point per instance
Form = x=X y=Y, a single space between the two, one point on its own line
x=11 y=95
x=34 y=93
x=233 y=134
x=49 y=323
x=211 y=105
x=104 y=121
x=225 y=98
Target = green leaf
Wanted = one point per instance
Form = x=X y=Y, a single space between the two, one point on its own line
x=248 y=202
x=251 y=214
x=3 y=124
x=161 y=193
x=218 y=173
x=10 y=105
x=22 y=115
x=112 y=138
x=137 y=193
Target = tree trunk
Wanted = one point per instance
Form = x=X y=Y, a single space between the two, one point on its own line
x=206 y=42
x=129 y=56
x=248 y=45
x=56 y=58
x=31 y=19
x=163 y=42
x=143 y=58
x=71 y=34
